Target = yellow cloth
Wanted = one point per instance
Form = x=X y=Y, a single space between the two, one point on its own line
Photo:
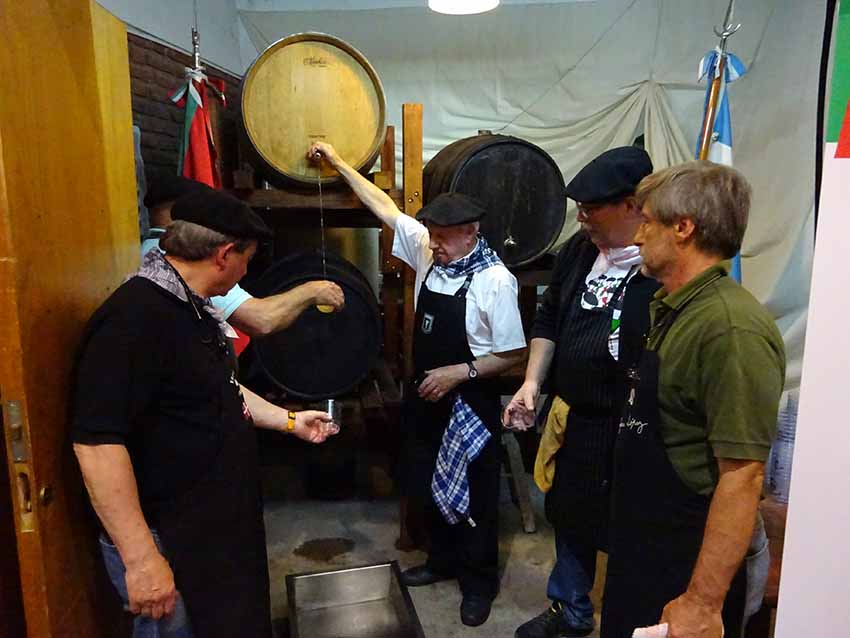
x=550 y=442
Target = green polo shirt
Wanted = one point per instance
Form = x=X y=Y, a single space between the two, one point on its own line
x=722 y=368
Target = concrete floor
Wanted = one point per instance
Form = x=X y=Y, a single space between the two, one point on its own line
x=371 y=526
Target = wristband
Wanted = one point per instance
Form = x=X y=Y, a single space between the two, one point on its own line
x=290 y=421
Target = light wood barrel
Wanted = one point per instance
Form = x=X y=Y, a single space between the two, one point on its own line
x=312 y=87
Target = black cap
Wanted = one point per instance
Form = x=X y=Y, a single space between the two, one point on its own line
x=450 y=209
x=614 y=174
x=221 y=212
x=169 y=188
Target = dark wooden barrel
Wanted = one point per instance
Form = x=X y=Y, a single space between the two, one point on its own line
x=518 y=182
x=321 y=355
x=311 y=87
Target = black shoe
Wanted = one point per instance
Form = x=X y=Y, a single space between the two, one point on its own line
x=422 y=575
x=551 y=624
x=474 y=610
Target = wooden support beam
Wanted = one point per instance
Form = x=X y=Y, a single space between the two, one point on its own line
x=333 y=198
x=533 y=277
x=309 y=218
x=412 y=140
x=391 y=287
x=527 y=306
x=389 y=264
x=518 y=481
x=383 y=180
x=390 y=297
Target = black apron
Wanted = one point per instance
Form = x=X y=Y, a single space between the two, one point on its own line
x=657 y=522
x=214 y=532
x=440 y=340
x=589 y=380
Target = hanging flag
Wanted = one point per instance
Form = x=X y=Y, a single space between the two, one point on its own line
x=836 y=156
x=197 y=154
x=720 y=146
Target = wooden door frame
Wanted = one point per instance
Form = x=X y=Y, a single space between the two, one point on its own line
x=68 y=237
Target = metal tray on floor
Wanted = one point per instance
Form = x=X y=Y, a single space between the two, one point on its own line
x=357 y=602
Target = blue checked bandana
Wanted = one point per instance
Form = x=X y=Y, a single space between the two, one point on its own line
x=463 y=440
x=481 y=258
x=156 y=269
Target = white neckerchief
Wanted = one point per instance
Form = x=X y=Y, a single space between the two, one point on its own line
x=621 y=258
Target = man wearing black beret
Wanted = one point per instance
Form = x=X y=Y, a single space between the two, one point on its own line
x=164 y=436
x=254 y=316
x=467 y=328
x=583 y=335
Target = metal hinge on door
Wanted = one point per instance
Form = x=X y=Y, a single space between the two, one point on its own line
x=20 y=454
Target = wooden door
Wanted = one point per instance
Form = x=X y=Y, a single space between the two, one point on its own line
x=68 y=236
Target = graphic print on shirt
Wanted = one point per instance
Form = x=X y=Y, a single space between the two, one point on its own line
x=599 y=291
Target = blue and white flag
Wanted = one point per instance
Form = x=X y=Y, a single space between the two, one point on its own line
x=720 y=147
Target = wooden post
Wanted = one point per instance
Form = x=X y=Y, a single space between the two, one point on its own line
x=391 y=268
x=711 y=111
x=410 y=522
x=389 y=264
x=412 y=136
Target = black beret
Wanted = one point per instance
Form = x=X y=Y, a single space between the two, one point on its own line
x=616 y=173
x=450 y=209
x=221 y=212
x=169 y=188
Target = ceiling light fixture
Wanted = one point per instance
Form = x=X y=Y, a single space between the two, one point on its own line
x=462 y=7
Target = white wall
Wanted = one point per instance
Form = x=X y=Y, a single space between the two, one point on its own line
x=573 y=78
x=815 y=588
x=361 y=5
x=170 y=21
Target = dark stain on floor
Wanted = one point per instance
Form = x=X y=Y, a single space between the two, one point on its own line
x=324 y=549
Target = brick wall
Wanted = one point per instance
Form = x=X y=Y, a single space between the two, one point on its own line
x=156 y=71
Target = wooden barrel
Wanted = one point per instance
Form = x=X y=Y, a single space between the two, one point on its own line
x=311 y=87
x=321 y=355
x=518 y=182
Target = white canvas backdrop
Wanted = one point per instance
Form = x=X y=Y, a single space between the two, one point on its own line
x=579 y=78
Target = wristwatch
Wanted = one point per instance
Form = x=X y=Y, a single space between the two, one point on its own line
x=473 y=371
x=290 y=421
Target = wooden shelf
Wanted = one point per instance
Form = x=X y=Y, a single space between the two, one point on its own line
x=335 y=198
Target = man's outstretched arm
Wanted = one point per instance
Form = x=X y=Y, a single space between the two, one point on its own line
x=261 y=316
x=372 y=197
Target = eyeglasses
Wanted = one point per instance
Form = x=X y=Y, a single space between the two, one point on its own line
x=586 y=210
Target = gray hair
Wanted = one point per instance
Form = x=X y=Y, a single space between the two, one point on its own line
x=194 y=242
x=715 y=197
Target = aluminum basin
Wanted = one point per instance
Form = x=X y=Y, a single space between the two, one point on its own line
x=358 y=602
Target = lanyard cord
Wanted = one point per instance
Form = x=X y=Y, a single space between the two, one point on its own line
x=186 y=289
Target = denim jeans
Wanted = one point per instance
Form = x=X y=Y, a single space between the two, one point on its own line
x=175 y=625
x=571 y=580
x=758 y=565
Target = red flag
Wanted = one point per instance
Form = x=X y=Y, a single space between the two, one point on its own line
x=197 y=156
x=197 y=148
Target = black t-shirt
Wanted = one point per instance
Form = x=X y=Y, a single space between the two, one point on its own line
x=153 y=377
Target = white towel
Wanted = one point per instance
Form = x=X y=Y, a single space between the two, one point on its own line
x=656 y=631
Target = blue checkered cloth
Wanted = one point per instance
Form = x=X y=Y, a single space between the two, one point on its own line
x=482 y=258
x=463 y=440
